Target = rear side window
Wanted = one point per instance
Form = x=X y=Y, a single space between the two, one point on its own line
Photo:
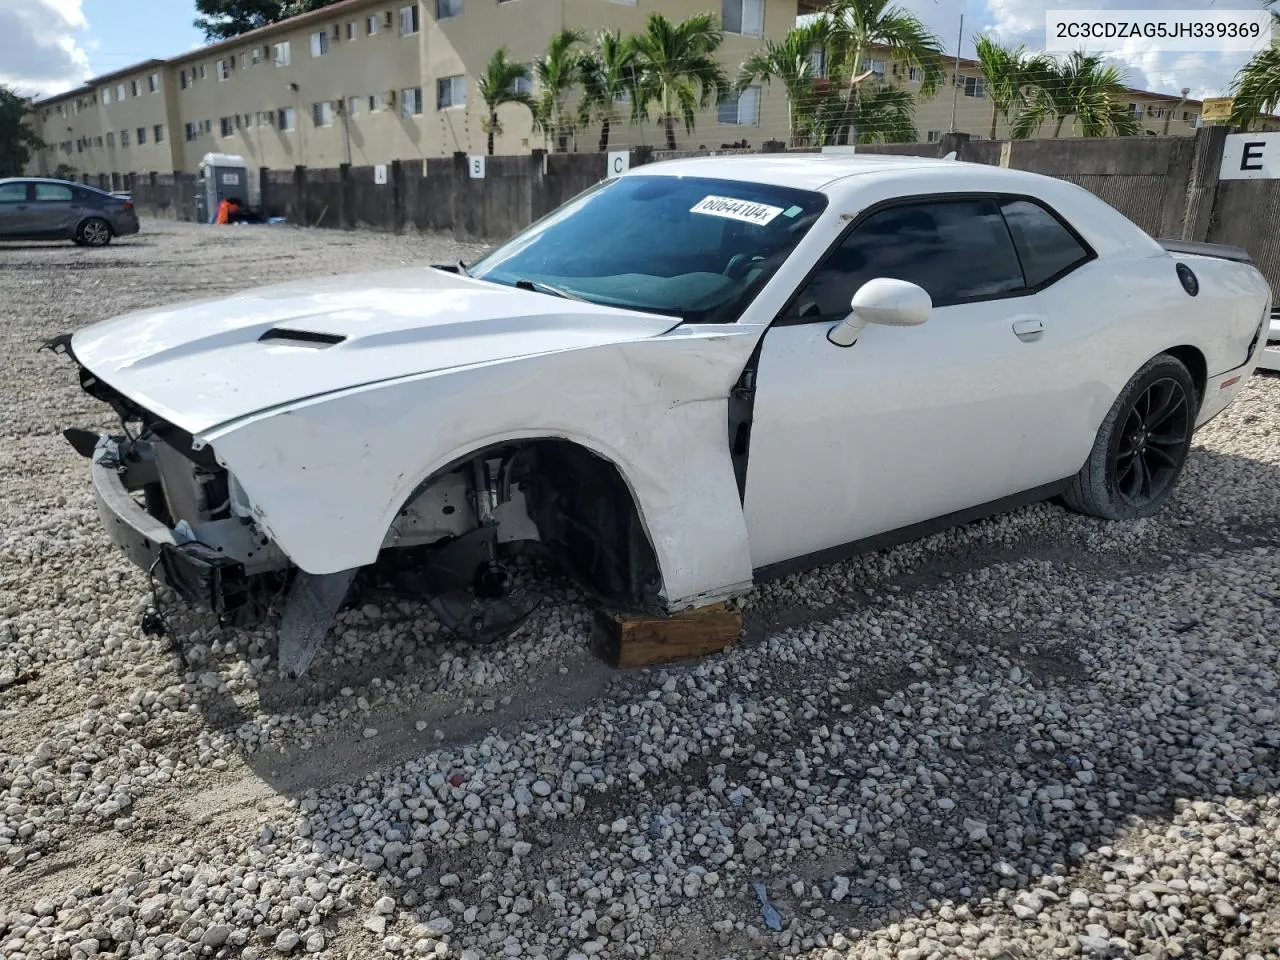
x=13 y=192
x=52 y=192
x=1045 y=246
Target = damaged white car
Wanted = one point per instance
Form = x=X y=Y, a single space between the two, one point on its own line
x=693 y=376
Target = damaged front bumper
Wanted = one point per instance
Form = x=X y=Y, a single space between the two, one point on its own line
x=222 y=565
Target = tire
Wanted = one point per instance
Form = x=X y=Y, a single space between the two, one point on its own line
x=94 y=232
x=1141 y=447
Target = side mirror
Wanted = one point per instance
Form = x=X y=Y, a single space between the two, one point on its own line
x=891 y=303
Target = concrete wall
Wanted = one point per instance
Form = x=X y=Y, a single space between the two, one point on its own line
x=1143 y=178
x=1167 y=185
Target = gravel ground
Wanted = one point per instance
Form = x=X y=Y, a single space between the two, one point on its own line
x=1037 y=736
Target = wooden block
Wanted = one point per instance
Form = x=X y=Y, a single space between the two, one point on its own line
x=625 y=641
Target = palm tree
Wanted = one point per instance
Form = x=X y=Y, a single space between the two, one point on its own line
x=498 y=86
x=557 y=72
x=790 y=61
x=610 y=76
x=1256 y=88
x=858 y=25
x=678 y=69
x=1082 y=88
x=1010 y=74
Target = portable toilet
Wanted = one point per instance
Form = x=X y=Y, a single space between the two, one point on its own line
x=222 y=175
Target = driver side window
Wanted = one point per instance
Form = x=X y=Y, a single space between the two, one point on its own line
x=957 y=250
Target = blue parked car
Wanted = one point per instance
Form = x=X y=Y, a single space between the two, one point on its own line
x=34 y=208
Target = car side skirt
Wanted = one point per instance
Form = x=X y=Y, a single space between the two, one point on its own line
x=915 y=531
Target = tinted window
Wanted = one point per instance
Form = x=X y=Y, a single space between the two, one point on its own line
x=956 y=250
x=13 y=192
x=52 y=192
x=1046 y=247
x=696 y=248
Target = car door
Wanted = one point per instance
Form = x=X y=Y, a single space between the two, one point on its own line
x=909 y=423
x=56 y=212
x=15 y=208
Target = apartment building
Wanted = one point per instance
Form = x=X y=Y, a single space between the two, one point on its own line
x=370 y=81
x=118 y=122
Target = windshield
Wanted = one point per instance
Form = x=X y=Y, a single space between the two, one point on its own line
x=692 y=247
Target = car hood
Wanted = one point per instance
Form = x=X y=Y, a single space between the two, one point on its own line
x=199 y=365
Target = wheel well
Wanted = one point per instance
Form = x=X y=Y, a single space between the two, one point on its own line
x=580 y=504
x=1194 y=361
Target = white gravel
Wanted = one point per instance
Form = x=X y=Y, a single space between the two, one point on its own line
x=1037 y=736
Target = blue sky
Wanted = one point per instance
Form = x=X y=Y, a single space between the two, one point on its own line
x=118 y=35
x=47 y=46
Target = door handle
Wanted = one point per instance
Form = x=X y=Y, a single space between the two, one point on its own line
x=1028 y=329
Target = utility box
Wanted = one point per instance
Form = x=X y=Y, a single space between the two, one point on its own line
x=222 y=175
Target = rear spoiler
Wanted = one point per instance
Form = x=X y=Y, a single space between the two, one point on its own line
x=1219 y=251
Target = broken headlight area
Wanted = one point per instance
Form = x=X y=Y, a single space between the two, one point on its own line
x=187 y=525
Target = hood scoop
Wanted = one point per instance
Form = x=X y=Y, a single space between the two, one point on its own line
x=300 y=338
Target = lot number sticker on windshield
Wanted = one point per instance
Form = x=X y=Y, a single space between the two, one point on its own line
x=731 y=209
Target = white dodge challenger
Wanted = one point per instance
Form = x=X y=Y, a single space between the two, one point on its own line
x=688 y=378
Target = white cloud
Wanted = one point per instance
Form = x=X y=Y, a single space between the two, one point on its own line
x=40 y=50
x=1207 y=74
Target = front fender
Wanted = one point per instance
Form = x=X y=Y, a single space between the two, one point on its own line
x=327 y=477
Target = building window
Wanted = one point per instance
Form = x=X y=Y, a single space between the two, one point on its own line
x=451 y=92
x=353 y=106
x=370 y=26
x=410 y=101
x=119 y=93
x=142 y=135
x=972 y=86
x=106 y=96
x=282 y=54
x=743 y=109
x=743 y=16
x=99 y=144
x=111 y=141
x=915 y=74
x=448 y=8
x=189 y=131
x=818 y=62
x=224 y=70
x=204 y=71
x=352 y=33
x=124 y=138
x=157 y=133
x=408 y=20
x=226 y=126
x=286 y=118
x=375 y=102
x=319 y=44
x=153 y=82
x=933 y=136
x=524 y=83
x=1157 y=112
x=876 y=67
x=255 y=55
x=133 y=88
x=322 y=114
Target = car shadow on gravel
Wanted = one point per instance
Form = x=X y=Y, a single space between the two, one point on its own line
x=1023 y=798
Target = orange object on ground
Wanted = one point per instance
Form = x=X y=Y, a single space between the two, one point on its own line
x=226 y=210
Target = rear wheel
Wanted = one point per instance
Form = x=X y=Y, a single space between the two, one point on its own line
x=1141 y=447
x=94 y=232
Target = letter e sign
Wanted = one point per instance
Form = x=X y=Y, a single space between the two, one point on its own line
x=1251 y=156
x=477 y=167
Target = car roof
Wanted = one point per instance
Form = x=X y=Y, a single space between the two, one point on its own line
x=803 y=171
